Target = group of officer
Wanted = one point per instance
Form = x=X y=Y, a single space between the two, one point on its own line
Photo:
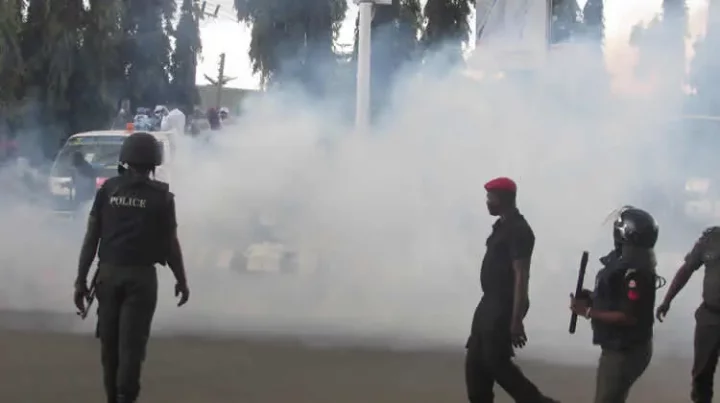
x=621 y=308
x=132 y=227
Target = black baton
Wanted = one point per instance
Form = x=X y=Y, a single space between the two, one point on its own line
x=579 y=288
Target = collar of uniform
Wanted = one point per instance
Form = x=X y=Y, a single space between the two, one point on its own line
x=509 y=217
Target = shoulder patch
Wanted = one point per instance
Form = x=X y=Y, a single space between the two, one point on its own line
x=633 y=293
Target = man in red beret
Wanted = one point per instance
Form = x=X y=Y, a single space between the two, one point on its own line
x=497 y=326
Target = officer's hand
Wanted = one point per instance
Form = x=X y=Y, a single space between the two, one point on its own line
x=80 y=296
x=182 y=291
x=579 y=306
x=517 y=334
x=585 y=294
x=662 y=311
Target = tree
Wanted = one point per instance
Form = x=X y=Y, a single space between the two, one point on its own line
x=594 y=20
x=661 y=46
x=705 y=67
x=51 y=39
x=566 y=19
x=184 y=58
x=290 y=39
x=101 y=79
x=395 y=32
x=446 y=25
x=11 y=57
x=146 y=51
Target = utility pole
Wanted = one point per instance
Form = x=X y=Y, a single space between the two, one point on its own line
x=220 y=81
x=362 y=96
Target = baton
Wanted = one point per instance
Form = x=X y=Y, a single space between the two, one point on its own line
x=579 y=288
x=90 y=297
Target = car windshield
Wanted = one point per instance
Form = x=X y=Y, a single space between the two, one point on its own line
x=102 y=152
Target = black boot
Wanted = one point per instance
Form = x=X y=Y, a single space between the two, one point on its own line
x=124 y=399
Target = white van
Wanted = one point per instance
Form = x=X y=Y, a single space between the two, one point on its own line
x=102 y=150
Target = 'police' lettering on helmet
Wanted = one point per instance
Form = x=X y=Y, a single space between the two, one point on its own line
x=123 y=201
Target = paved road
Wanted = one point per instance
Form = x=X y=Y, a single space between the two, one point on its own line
x=39 y=367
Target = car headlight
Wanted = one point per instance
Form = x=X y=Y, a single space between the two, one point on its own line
x=697 y=185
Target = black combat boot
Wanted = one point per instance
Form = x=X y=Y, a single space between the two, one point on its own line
x=124 y=399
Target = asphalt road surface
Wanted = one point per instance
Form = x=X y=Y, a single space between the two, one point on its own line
x=39 y=366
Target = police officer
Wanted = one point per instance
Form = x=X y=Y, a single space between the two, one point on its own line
x=133 y=223
x=83 y=178
x=497 y=324
x=705 y=252
x=621 y=306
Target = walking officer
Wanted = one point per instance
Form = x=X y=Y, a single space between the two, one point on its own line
x=705 y=252
x=132 y=226
x=497 y=324
x=621 y=306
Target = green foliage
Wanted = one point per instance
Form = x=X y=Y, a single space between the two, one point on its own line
x=66 y=64
x=11 y=58
x=146 y=52
x=566 y=20
x=447 y=25
x=594 y=20
x=290 y=39
x=184 y=59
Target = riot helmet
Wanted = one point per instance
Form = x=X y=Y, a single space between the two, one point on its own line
x=141 y=149
x=635 y=227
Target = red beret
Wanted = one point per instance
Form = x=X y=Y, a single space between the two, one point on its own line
x=501 y=183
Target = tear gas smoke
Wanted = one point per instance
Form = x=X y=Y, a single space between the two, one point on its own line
x=390 y=227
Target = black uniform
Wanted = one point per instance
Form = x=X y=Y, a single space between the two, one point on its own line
x=626 y=283
x=137 y=217
x=132 y=227
x=489 y=347
x=707 y=317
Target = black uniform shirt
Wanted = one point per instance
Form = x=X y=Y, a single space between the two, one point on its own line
x=706 y=251
x=137 y=220
x=511 y=239
x=626 y=285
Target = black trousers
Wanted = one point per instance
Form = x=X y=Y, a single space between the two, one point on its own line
x=707 y=348
x=618 y=370
x=127 y=297
x=489 y=360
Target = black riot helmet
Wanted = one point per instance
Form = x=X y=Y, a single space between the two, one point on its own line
x=141 y=149
x=635 y=227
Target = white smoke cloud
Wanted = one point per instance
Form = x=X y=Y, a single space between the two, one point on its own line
x=390 y=226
